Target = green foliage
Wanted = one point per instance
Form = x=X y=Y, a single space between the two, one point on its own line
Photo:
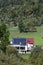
x=10 y=59
x=4 y=36
x=11 y=50
x=21 y=26
x=16 y=10
x=28 y=25
x=36 y=57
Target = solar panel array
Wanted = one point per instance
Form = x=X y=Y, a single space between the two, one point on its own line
x=19 y=41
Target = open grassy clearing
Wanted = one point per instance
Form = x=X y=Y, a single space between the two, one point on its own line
x=38 y=36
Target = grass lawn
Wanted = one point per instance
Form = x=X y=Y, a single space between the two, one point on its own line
x=25 y=56
x=38 y=36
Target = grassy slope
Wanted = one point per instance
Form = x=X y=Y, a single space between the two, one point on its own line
x=14 y=33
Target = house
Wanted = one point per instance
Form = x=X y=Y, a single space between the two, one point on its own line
x=30 y=43
x=23 y=45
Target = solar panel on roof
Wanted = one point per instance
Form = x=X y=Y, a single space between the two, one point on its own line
x=19 y=41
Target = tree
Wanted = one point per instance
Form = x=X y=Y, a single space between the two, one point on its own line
x=11 y=57
x=28 y=25
x=4 y=37
x=36 y=57
x=21 y=26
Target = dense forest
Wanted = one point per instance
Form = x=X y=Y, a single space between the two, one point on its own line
x=26 y=14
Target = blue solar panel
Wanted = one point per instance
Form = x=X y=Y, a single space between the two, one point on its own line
x=19 y=41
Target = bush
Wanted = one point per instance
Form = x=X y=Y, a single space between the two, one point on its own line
x=11 y=50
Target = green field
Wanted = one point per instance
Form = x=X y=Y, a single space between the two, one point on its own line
x=38 y=36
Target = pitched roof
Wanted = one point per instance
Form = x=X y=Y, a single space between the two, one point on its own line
x=23 y=41
x=19 y=41
x=30 y=40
